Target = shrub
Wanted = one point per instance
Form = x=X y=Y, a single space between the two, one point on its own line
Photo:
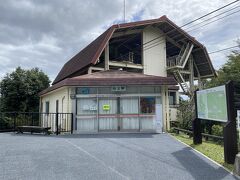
x=185 y=114
x=217 y=130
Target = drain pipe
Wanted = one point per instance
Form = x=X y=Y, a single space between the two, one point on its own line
x=62 y=102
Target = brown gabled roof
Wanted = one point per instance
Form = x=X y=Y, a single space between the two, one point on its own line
x=85 y=57
x=90 y=54
x=110 y=78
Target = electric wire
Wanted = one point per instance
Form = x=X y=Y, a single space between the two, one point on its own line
x=220 y=50
x=197 y=19
x=147 y=46
x=196 y=28
x=212 y=17
x=162 y=41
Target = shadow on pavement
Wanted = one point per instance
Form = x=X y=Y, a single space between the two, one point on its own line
x=198 y=167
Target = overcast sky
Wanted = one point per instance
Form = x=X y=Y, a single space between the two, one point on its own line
x=47 y=33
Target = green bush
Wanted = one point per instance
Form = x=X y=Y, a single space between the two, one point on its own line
x=185 y=114
x=6 y=123
x=217 y=130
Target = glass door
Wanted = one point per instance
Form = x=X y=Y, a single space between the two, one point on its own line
x=129 y=113
x=108 y=114
x=147 y=112
x=87 y=114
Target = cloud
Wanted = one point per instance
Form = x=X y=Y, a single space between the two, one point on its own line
x=46 y=34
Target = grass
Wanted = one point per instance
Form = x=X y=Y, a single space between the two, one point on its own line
x=211 y=149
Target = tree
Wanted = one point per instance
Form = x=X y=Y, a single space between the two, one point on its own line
x=0 y=103
x=185 y=114
x=19 y=89
x=229 y=71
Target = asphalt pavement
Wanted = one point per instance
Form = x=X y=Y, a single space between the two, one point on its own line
x=103 y=156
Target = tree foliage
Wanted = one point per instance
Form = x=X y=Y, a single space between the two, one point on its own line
x=229 y=71
x=19 y=89
x=185 y=114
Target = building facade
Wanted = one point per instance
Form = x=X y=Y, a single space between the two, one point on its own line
x=125 y=80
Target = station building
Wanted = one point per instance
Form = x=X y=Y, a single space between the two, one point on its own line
x=126 y=79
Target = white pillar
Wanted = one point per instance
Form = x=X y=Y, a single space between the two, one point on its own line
x=106 y=57
x=165 y=103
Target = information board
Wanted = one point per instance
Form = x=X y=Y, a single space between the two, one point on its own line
x=212 y=104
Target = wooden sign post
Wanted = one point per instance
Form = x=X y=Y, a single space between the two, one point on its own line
x=196 y=124
x=230 y=128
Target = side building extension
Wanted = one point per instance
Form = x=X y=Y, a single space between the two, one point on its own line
x=125 y=80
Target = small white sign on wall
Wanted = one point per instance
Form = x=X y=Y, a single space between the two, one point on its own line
x=238 y=119
x=89 y=108
x=158 y=118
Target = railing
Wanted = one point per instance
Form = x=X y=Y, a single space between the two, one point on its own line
x=206 y=136
x=173 y=61
x=58 y=122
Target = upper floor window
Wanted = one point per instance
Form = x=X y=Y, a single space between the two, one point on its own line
x=126 y=48
x=172 y=98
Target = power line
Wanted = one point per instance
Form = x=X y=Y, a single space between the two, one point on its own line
x=214 y=21
x=198 y=24
x=161 y=41
x=195 y=20
x=220 y=50
x=212 y=17
x=210 y=13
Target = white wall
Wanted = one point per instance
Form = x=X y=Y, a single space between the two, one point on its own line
x=173 y=114
x=64 y=101
x=154 y=58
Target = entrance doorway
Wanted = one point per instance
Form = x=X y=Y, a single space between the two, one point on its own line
x=126 y=113
x=129 y=114
x=108 y=114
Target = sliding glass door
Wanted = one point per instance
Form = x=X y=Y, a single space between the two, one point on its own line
x=87 y=114
x=108 y=114
x=129 y=113
x=129 y=110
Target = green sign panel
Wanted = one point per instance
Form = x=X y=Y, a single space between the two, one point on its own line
x=106 y=107
x=212 y=104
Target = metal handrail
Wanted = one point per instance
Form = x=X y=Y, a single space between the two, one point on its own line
x=59 y=122
x=173 y=61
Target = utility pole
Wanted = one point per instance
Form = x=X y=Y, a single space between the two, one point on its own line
x=124 y=11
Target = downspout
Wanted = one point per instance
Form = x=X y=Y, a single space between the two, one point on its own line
x=62 y=102
x=40 y=104
x=68 y=100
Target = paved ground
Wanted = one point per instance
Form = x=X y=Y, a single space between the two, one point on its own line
x=103 y=156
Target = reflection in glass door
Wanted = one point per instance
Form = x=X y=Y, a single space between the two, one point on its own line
x=147 y=112
x=87 y=114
